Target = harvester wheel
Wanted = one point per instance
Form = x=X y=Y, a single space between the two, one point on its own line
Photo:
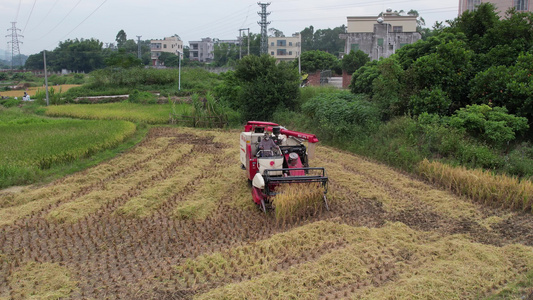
x=326 y=202
x=263 y=207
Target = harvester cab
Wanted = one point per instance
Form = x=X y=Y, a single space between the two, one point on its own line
x=280 y=158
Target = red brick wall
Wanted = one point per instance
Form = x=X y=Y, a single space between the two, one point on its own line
x=346 y=79
x=314 y=79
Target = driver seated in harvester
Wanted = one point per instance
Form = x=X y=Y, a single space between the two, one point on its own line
x=268 y=146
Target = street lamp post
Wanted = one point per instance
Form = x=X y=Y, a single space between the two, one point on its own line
x=179 y=70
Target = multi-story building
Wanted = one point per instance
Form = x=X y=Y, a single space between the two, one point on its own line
x=380 y=36
x=285 y=48
x=169 y=44
x=501 y=5
x=202 y=50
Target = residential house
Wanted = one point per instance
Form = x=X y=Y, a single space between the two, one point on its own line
x=285 y=48
x=501 y=5
x=202 y=51
x=169 y=44
x=380 y=36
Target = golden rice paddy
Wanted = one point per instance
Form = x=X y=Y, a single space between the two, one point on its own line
x=173 y=218
x=33 y=90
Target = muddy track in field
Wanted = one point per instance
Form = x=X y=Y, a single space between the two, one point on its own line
x=112 y=255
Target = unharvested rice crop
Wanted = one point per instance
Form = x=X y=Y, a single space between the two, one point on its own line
x=173 y=218
x=27 y=145
x=33 y=90
x=480 y=185
x=150 y=114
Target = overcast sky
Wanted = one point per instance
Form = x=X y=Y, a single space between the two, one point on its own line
x=44 y=23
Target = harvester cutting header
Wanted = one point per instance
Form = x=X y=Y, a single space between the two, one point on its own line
x=273 y=155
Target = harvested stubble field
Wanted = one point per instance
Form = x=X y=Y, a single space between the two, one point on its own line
x=173 y=219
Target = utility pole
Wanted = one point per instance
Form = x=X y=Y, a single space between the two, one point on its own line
x=139 y=46
x=240 y=41
x=45 y=77
x=264 y=23
x=15 y=49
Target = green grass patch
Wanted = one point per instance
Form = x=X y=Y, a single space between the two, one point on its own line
x=150 y=114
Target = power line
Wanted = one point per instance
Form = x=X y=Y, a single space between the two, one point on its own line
x=18 y=10
x=85 y=19
x=29 y=17
x=46 y=16
x=61 y=20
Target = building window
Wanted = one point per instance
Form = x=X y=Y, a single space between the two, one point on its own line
x=282 y=52
x=272 y=44
x=521 y=5
x=397 y=28
x=272 y=53
x=165 y=46
x=472 y=4
x=290 y=44
x=282 y=43
x=290 y=52
x=354 y=47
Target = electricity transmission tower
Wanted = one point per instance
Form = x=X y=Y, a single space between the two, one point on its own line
x=139 y=46
x=15 y=49
x=264 y=23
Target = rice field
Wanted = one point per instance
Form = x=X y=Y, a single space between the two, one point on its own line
x=150 y=114
x=34 y=90
x=173 y=219
x=29 y=144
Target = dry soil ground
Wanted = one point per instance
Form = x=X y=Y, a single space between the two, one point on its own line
x=173 y=218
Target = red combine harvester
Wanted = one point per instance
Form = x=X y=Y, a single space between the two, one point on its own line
x=273 y=155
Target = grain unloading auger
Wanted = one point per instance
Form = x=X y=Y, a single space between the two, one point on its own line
x=273 y=155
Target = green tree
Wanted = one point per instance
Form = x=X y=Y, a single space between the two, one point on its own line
x=121 y=59
x=511 y=86
x=266 y=86
x=363 y=78
x=273 y=32
x=326 y=40
x=430 y=100
x=169 y=59
x=354 y=60
x=255 y=43
x=315 y=60
x=35 y=61
x=450 y=67
x=78 y=55
x=121 y=38
x=225 y=54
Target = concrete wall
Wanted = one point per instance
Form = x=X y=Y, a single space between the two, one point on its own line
x=366 y=24
x=382 y=42
x=501 y=5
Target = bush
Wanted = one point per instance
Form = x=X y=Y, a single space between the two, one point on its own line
x=142 y=97
x=492 y=125
x=10 y=102
x=432 y=101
